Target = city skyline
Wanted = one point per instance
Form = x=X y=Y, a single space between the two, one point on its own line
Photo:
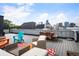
x=19 y=13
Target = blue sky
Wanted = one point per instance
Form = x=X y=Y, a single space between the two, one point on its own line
x=19 y=13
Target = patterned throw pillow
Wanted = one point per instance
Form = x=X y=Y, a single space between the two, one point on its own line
x=22 y=44
x=51 y=52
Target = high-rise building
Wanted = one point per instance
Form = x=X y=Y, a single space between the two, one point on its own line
x=39 y=26
x=60 y=25
x=72 y=24
x=47 y=25
x=66 y=24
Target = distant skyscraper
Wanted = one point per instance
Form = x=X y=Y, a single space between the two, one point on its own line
x=66 y=24
x=47 y=22
x=72 y=24
x=60 y=25
x=39 y=26
x=47 y=25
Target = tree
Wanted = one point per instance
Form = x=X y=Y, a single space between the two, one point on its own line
x=7 y=24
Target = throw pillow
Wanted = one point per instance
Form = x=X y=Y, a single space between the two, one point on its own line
x=51 y=52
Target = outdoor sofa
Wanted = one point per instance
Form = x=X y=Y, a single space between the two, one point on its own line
x=40 y=42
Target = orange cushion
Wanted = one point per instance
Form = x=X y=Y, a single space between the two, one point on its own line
x=3 y=42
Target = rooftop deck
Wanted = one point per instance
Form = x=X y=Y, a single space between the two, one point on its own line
x=61 y=45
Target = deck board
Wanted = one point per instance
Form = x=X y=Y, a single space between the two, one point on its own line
x=63 y=45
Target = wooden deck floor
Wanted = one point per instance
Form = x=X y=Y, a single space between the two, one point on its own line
x=62 y=45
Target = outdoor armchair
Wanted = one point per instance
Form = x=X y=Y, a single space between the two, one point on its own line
x=19 y=37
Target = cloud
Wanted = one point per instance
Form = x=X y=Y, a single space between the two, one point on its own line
x=76 y=20
x=53 y=18
x=17 y=15
x=60 y=17
x=23 y=13
x=42 y=18
x=27 y=4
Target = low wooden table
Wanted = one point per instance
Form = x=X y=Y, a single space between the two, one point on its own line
x=15 y=50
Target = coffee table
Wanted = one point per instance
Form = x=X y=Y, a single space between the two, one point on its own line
x=15 y=50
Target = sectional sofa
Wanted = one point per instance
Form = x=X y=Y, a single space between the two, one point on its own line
x=39 y=45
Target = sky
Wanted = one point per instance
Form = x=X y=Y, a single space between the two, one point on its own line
x=55 y=13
